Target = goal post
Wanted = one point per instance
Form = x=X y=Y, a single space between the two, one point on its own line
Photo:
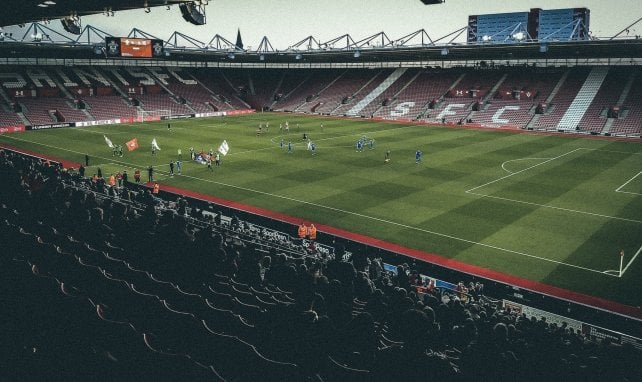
x=152 y=115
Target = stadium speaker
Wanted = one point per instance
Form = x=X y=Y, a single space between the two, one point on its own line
x=192 y=14
x=70 y=26
x=430 y=2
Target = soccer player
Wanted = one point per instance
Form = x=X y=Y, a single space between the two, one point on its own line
x=359 y=145
x=153 y=150
x=290 y=147
x=418 y=155
x=209 y=163
x=387 y=157
x=169 y=127
x=178 y=166
x=313 y=148
x=217 y=159
x=150 y=173
x=180 y=154
x=281 y=144
x=171 y=168
x=371 y=143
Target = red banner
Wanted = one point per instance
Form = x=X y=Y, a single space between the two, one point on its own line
x=12 y=129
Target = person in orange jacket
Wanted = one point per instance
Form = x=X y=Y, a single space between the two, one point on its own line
x=312 y=232
x=112 y=180
x=156 y=188
x=303 y=231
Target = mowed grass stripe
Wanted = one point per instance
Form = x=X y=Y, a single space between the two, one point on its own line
x=421 y=206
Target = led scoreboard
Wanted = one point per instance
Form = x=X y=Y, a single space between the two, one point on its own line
x=133 y=47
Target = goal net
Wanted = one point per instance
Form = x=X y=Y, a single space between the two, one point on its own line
x=152 y=115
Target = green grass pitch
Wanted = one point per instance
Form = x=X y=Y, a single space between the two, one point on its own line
x=550 y=208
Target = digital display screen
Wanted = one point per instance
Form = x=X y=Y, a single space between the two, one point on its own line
x=133 y=47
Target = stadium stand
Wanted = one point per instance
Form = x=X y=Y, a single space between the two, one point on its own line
x=222 y=88
x=581 y=99
x=514 y=102
x=114 y=283
x=305 y=94
x=567 y=89
x=596 y=114
x=392 y=84
x=109 y=107
x=362 y=92
x=629 y=120
x=339 y=91
x=409 y=103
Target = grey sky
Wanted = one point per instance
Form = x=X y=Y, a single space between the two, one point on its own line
x=285 y=22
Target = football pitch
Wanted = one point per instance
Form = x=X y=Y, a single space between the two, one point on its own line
x=549 y=208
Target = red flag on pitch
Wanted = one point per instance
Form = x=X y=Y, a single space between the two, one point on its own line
x=132 y=145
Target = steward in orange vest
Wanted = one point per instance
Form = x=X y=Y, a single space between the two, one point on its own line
x=312 y=232
x=303 y=231
x=156 y=188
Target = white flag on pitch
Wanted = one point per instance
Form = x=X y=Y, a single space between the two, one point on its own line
x=111 y=145
x=224 y=148
x=155 y=144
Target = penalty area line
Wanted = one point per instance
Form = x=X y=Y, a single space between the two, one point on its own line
x=523 y=170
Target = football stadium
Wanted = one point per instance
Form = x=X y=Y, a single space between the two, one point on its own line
x=462 y=202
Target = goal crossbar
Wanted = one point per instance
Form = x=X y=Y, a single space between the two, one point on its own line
x=152 y=115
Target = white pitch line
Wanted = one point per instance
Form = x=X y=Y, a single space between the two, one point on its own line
x=374 y=218
x=520 y=171
x=394 y=223
x=515 y=160
x=558 y=208
x=631 y=261
x=627 y=182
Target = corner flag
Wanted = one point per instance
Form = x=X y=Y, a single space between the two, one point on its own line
x=132 y=145
x=111 y=145
x=224 y=148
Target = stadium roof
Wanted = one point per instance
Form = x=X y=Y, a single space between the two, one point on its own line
x=595 y=49
x=25 y=11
